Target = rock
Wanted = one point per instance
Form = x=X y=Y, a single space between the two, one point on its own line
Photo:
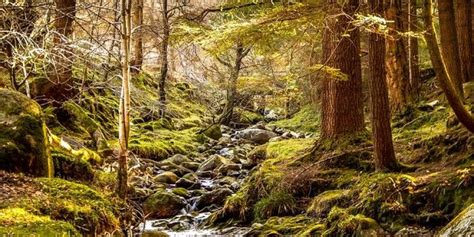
x=166 y=177
x=275 y=139
x=225 y=140
x=163 y=204
x=215 y=197
x=413 y=231
x=182 y=192
x=191 y=165
x=214 y=162
x=154 y=233
x=184 y=183
x=24 y=145
x=177 y=159
x=259 y=136
x=226 y=151
x=257 y=155
x=228 y=167
x=461 y=225
x=213 y=132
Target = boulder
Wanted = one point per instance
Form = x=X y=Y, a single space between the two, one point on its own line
x=191 y=165
x=224 y=169
x=213 y=132
x=163 y=204
x=24 y=144
x=214 y=162
x=177 y=159
x=259 y=136
x=215 y=197
x=461 y=225
x=166 y=177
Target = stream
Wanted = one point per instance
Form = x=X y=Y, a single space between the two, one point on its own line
x=218 y=170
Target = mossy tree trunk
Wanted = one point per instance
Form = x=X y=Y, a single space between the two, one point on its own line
x=342 y=101
x=124 y=116
x=398 y=77
x=384 y=153
x=464 y=30
x=231 y=90
x=138 y=36
x=164 y=58
x=443 y=74
x=449 y=44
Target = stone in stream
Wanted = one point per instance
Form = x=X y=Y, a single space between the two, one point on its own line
x=461 y=225
x=259 y=136
x=185 y=183
x=163 y=204
x=191 y=165
x=166 y=177
x=214 y=162
x=224 y=169
x=215 y=197
x=213 y=132
x=177 y=159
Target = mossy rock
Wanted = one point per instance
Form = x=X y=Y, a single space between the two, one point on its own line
x=322 y=204
x=461 y=225
x=213 y=132
x=299 y=225
x=163 y=204
x=341 y=223
x=24 y=144
x=20 y=222
x=72 y=168
x=276 y=204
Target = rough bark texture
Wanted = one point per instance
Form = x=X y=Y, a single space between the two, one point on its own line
x=342 y=101
x=124 y=110
x=228 y=111
x=449 y=43
x=381 y=131
x=398 y=77
x=464 y=30
x=60 y=87
x=138 y=36
x=164 y=57
x=442 y=73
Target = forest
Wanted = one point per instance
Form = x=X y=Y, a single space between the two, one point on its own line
x=195 y=118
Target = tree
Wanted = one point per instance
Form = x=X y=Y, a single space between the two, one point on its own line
x=443 y=74
x=342 y=101
x=449 y=43
x=138 y=36
x=382 y=133
x=413 y=55
x=464 y=30
x=124 y=110
x=397 y=59
x=61 y=87
x=164 y=57
x=231 y=88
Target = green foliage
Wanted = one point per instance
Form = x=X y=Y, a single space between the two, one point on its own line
x=276 y=204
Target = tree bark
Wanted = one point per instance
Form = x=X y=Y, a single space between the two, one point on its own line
x=164 y=58
x=137 y=61
x=398 y=77
x=443 y=74
x=124 y=110
x=464 y=30
x=413 y=55
x=61 y=86
x=231 y=91
x=449 y=43
x=384 y=153
x=342 y=101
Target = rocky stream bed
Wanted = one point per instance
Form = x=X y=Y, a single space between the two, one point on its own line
x=180 y=192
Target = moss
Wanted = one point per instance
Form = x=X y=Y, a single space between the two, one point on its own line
x=182 y=192
x=213 y=132
x=341 y=223
x=18 y=221
x=23 y=137
x=276 y=204
x=289 y=226
x=83 y=207
x=322 y=204
x=305 y=120
x=163 y=143
x=163 y=204
x=243 y=116
x=69 y=167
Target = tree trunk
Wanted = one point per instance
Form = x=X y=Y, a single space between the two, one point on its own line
x=61 y=87
x=413 y=61
x=231 y=91
x=443 y=75
x=164 y=58
x=381 y=131
x=138 y=36
x=464 y=30
x=342 y=101
x=124 y=111
x=449 y=43
x=397 y=59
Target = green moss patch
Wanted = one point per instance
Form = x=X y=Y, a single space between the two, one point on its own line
x=305 y=120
